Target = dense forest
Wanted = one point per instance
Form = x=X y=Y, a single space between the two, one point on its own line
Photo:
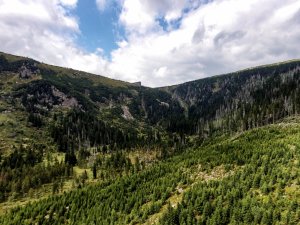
x=227 y=103
x=226 y=180
x=238 y=101
x=77 y=148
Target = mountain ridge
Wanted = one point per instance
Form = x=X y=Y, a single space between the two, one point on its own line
x=76 y=140
x=182 y=104
x=13 y=57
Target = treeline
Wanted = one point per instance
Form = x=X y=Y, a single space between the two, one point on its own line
x=15 y=66
x=262 y=172
x=228 y=103
x=238 y=101
x=23 y=170
x=78 y=129
x=117 y=164
x=81 y=130
x=155 y=106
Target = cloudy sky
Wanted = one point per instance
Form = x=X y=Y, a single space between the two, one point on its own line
x=158 y=42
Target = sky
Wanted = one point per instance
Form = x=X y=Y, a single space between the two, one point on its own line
x=157 y=42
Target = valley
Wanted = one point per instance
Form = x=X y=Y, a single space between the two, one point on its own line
x=78 y=148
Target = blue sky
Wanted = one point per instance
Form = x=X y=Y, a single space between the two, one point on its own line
x=158 y=42
x=99 y=29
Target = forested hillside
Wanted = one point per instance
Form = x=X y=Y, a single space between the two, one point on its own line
x=225 y=103
x=238 y=101
x=93 y=150
x=227 y=180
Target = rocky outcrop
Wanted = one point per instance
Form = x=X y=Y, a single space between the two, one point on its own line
x=65 y=101
x=143 y=105
x=165 y=104
x=27 y=71
x=41 y=96
x=126 y=113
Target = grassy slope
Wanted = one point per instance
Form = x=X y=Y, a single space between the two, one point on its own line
x=219 y=167
x=96 y=79
x=80 y=74
x=14 y=128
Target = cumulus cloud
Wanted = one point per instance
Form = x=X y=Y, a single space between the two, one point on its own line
x=166 y=41
x=70 y=3
x=213 y=37
x=101 y=4
x=46 y=31
x=142 y=16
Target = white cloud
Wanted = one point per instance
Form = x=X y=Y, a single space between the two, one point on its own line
x=47 y=15
x=217 y=37
x=160 y=72
x=208 y=38
x=141 y=16
x=69 y=3
x=136 y=17
x=101 y=4
x=46 y=31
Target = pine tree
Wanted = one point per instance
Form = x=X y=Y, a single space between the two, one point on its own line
x=95 y=171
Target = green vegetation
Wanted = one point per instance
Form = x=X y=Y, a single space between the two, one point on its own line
x=250 y=179
x=77 y=148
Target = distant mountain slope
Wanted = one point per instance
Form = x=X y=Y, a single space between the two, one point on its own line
x=226 y=103
x=231 y=102
x=92 y=91
x=76 y=110
x=238 y=101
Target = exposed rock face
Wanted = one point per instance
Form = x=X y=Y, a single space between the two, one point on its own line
x=41 y=97
x=123 y=98
x=25 y=73
x=143 y=105
x=126 y=113
x=66 y=101
x=28 y=71
x=165 y=104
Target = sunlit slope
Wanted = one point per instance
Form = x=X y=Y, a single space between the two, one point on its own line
x=250 y=178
